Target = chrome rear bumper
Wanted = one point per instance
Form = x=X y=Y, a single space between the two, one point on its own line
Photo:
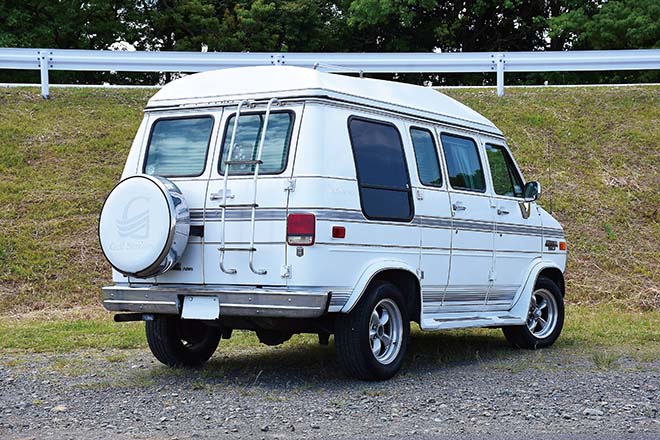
x=234 y=301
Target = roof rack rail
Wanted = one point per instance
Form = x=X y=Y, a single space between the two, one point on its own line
x=334 y=68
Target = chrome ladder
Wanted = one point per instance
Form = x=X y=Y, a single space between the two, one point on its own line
x=253 y=206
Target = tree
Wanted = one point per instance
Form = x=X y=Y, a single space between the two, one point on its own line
x=323 y=25
x=455 y=25
x=614 y=24
x=257 y=25
x=66 y=24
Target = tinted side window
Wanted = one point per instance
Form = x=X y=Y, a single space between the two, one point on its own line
x=426 y=156
x=381 y=170
x=178 y=147
x=248 y=136
x=506 y=180
x=463 y=164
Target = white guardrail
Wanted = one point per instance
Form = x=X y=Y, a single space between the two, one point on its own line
x=450 y=62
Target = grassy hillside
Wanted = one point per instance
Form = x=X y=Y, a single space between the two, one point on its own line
x=595 y=150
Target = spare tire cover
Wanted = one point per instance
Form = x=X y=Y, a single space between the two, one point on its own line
x=144 y=226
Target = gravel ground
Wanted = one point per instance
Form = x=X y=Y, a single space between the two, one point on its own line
x=297 y=391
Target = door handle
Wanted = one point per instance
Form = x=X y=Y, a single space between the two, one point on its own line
x=220 y=196
x=458 y=207
x=502 y=211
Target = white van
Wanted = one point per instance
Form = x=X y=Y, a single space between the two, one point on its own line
x=336 y=206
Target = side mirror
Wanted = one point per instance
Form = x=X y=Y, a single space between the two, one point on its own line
x=532 y=191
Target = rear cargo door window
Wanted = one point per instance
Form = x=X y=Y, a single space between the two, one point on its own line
x=463 y=163
x=246 y=146
x=178 y=147
x=382 y=171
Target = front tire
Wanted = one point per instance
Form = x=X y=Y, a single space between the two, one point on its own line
x=545 y=318
x=182 y=343
x=371 y=340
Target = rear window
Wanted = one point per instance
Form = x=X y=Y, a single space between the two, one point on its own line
x=178 y=147
x=248 y=136
x=463 y=163
x=381 y=168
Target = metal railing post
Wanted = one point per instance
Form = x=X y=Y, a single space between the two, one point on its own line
x=500 y=74
x=44 y=60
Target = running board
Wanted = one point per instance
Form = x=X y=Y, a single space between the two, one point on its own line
x=443 y=321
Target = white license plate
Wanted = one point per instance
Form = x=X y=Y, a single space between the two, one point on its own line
x=200 y=307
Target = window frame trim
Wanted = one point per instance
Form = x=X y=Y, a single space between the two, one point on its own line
x=435 y=149
x=508 y=157
x=145 y=157
x=408 y=190
x=483 y=170
x=292 y=113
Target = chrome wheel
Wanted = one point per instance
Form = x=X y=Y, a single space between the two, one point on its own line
x=385 y=331
x=545 y=318
x=542 y=316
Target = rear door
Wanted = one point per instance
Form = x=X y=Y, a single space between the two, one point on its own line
x=472 y=224
x=269 y=226
x=179 y=147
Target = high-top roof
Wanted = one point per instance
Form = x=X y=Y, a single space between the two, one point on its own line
x=262 y=82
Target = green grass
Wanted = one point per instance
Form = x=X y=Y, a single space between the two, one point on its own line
x=70 y=346
x=595 y=150
x=63 y=336
x=58 y=160
x=605 y=360
x=601 y=329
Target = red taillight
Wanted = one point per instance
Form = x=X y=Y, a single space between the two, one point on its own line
x=300 y=229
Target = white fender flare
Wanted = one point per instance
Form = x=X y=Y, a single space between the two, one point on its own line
x=520 y=306
x=369 y=273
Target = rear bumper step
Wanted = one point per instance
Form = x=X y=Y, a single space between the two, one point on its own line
x=233 y=301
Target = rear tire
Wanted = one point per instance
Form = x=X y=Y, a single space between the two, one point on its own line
x=371 y=340
x=182 y=343
x=545 y=318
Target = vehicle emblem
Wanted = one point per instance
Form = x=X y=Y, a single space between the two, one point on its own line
x=132 y=224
